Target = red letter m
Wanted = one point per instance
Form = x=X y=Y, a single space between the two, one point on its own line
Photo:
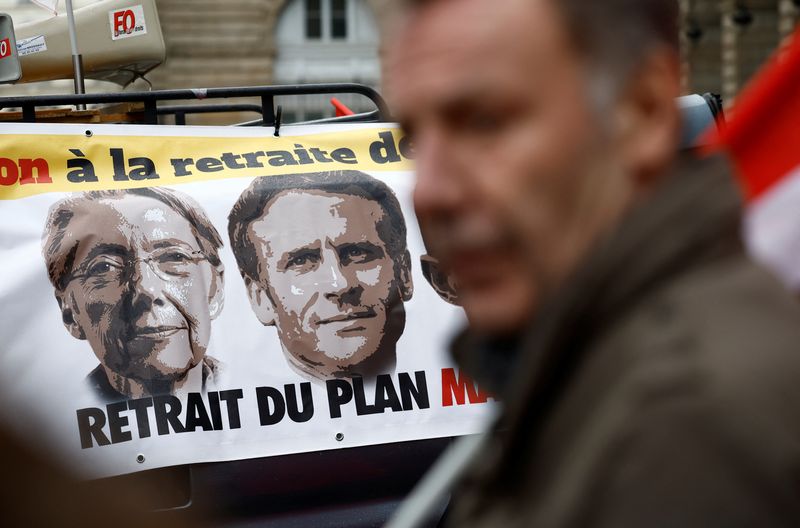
x=461 y=387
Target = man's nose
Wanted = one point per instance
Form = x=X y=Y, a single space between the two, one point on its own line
x=335 y=280
x=439 y=187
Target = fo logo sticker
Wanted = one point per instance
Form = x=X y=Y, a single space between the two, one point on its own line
x=127 y=22
x=5 y=48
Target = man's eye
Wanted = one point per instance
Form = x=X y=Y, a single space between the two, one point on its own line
x=483 y=121
x=357 y=254
x=302 y=260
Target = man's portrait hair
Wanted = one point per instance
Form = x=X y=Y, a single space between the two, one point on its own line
x=60 y=259
x=256 y=198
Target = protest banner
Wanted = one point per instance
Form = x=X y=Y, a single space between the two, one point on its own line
x=175 y=295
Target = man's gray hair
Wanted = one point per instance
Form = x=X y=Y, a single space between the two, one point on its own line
x=614 y=35
x=617 y=33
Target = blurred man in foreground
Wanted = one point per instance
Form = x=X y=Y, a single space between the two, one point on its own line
x=649 y=369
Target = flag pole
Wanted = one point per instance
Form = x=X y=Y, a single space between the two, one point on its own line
x=77 y=59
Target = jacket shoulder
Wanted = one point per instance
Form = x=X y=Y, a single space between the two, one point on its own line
x=689 y=410
x=729 y=325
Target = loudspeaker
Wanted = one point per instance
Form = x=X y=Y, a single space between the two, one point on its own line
x=119 y=40
x=9 y=62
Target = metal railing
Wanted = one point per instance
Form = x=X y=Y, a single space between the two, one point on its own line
x=151 y=101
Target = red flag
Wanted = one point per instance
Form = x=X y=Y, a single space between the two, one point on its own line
x=763 y=139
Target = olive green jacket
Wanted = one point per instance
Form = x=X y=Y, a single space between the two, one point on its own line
x=660 y=388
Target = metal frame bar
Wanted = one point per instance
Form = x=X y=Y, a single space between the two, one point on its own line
x=180 y=111
x=365 y=117
x=28 y=104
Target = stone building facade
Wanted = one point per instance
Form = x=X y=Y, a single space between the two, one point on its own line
x=252 y=42
x=258 y=42
x=231 y=43
x=211 y=43
x=724 y=42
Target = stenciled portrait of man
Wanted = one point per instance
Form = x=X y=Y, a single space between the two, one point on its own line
x=137 y=274
x=443 y=283
x=324 y=258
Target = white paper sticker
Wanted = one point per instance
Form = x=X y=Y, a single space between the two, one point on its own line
x=127 y=22
x=31 y=45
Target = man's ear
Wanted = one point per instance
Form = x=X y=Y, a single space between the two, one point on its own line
x=647 y=120
x=216 y=291
x=67 y=305
x=260 y=303
x=405 y=283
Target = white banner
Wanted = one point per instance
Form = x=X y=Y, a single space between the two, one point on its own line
x=176 y=295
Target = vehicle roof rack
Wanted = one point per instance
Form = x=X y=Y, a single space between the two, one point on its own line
x=144 y=107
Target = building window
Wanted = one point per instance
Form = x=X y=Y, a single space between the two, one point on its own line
x=313 y=19
x=323 y=41
x=326 y=19
x=339 y=19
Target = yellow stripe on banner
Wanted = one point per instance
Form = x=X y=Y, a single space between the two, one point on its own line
x=33 y=164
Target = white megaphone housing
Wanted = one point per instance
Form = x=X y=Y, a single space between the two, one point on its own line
x=120 y=40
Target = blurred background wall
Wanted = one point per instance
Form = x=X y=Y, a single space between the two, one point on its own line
x=724 y=42
x=250 y=42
